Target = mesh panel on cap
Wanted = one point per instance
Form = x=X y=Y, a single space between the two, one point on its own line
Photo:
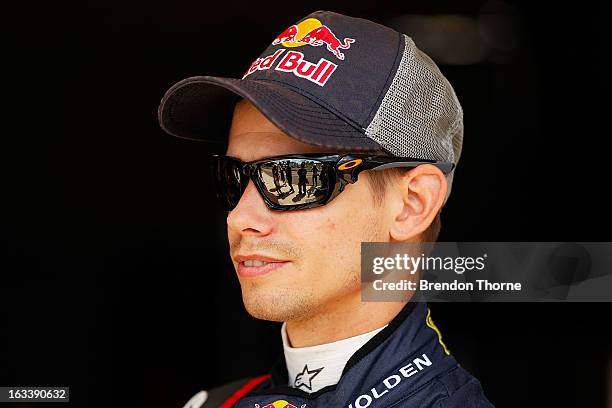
x=420 y=115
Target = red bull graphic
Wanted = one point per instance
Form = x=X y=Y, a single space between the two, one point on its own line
x=279 y=404
x=307 y=32
x=323 y=35
x=287 y=35
x=312 y=32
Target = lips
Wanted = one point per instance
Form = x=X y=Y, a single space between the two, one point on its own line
x=257 y=265
x=255 y=262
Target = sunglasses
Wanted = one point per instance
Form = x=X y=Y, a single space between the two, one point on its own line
x=300 y=181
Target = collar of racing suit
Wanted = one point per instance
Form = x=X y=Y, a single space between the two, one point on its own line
x=399 y=360
x=314 y=367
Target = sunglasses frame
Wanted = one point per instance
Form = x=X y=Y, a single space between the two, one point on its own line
x=342 y=169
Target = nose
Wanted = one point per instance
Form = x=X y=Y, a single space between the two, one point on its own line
x=251 y=216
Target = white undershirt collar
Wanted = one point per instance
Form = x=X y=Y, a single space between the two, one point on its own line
x=312 y=368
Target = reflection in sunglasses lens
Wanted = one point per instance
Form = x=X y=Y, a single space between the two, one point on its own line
x=294 y=181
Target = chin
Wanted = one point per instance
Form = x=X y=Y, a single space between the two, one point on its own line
x=277 y=305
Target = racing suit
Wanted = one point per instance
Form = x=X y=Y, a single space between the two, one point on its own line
x=405 y=365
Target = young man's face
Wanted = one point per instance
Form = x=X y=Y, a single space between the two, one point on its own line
x=317 y=251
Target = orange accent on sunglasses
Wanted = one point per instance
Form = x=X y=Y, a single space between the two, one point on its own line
x=350 y=164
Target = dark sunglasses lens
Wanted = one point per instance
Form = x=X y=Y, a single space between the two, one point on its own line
x=229 y=181
x=294 y=182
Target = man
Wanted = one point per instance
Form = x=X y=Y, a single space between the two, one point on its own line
x=289 y=177
x=302 y=178
x=281 y=171
x=386 y=128
x=276 y=181
x=315 y=175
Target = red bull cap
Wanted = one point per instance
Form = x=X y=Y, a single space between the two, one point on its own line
x=333 y=81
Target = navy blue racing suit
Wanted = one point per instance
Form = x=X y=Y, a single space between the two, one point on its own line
x=405 y=365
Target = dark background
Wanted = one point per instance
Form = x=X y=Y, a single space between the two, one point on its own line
x=115 y=278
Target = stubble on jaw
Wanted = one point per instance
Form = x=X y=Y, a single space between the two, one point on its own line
x=272 y=302
x=292 y=302
x=277 y=305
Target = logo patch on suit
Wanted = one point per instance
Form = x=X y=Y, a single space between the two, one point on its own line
x=279 y=404
x=304 y=379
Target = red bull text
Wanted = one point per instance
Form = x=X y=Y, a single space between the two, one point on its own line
x=294 y=62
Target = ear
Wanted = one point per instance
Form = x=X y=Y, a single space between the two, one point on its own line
x=417 y=197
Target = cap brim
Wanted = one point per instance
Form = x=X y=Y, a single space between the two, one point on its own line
x=200 y=108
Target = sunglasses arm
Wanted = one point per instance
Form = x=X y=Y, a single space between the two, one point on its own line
x=445 y=167
x=349 y=167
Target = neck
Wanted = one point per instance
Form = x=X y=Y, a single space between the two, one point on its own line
x=341 y=320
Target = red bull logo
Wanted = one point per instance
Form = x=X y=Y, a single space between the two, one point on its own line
x=312 y=32
x=308 y=32
x=280 y=404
